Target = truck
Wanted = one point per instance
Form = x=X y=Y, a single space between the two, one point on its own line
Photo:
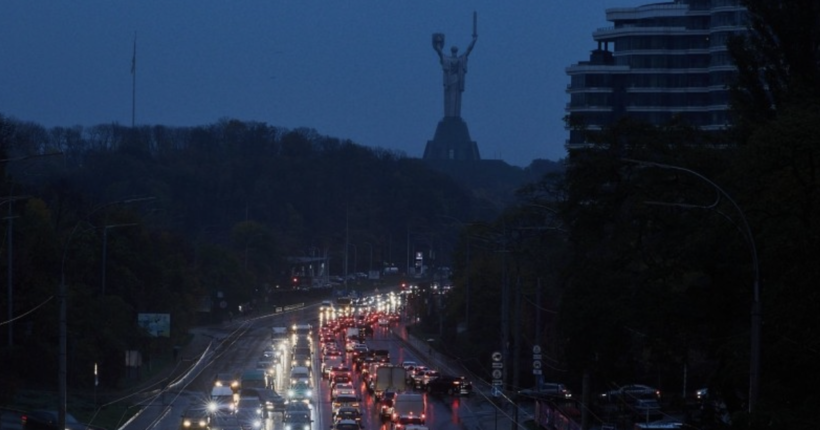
x=409 y=408
x=254 y=378
x=388 y=377
x=352 y=333
x=278 y=335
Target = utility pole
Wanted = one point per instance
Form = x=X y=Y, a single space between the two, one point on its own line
x=505 y=306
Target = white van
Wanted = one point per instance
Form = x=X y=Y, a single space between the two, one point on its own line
x=300 y=374
x=222 y=400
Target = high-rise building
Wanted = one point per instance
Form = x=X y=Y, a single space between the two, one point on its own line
x=655 y=62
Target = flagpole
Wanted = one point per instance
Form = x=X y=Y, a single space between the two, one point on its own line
x=134 y=81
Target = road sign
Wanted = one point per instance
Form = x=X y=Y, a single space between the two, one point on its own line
x=536 y=356
x=536 y=364
x=496 y=391
x=497 y=356
x=536 y=371
x=497 y=383
x=498 y=365
x=536 y=349
x=496 y=373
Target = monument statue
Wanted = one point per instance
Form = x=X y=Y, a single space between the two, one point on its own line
x=454 y=68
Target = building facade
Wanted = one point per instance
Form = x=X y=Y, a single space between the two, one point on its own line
x=656 y=62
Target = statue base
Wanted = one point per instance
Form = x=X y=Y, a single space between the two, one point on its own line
x=451 y=142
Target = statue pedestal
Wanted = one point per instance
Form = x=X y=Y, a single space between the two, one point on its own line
x=451 y=142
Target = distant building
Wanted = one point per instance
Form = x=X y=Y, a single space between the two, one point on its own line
x=658 y=61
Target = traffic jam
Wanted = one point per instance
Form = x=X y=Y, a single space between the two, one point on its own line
x=341 y=365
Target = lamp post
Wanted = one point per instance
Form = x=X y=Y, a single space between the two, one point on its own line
x=754 y=356
x=105 y=250
x=62 y=374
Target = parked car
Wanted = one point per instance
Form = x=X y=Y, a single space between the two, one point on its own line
x=630 y=393
x=547 y=389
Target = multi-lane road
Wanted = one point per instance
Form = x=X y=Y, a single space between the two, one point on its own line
x=239 y=346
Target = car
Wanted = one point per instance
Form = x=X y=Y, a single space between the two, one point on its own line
x=342 y=388
x=297 y=417
x=250 y=413
x=226 y=379
x=272 y=400
x=430 y=375
x=49 y=420
x=344 y=401
x=421 y=375
x=408 y=423
x=630 y=393
x=349 y=413
x=408 y=364
x=386 y=405
x=300 y=391
x=449 y=384
x=547 y=389
x=340 y=378
x=346 y=425
x=359 y=349
x=416 y=370
x=195 y=419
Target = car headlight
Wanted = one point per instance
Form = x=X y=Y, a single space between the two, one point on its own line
x=186 y=423
x=288 y=427
x=308 y=393
x=307 y=427
x=203 y=423
x=291 y=393
x=212 y=407
x=257 y=424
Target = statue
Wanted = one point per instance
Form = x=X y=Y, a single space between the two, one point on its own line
x=454 y=68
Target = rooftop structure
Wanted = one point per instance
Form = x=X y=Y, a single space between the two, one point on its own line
x=658 y=61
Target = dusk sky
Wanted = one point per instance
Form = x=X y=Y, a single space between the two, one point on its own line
x=354 y=69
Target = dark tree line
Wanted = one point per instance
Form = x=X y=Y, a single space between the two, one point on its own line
x=190 y=217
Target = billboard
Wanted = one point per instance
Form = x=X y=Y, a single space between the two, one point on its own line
x=155 y=325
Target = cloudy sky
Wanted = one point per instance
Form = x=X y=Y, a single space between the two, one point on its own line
x=363 y=70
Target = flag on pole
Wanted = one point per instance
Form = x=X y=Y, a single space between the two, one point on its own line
x=134 y=57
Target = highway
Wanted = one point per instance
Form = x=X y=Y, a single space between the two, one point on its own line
x=238 y=346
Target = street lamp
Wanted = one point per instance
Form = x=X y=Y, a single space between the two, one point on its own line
x=62 y=375
x=754 y=356
x=105 y=250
